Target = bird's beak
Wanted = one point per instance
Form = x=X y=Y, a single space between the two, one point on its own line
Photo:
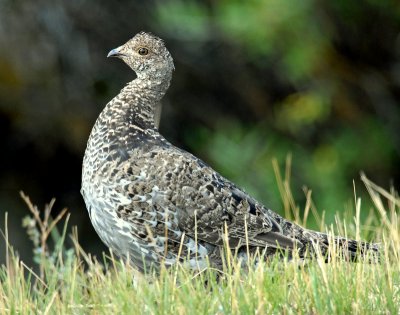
x=115 y=52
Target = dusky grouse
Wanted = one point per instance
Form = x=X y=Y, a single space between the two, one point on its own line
x=154 y=203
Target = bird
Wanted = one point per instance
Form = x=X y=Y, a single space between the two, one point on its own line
x=157 y=205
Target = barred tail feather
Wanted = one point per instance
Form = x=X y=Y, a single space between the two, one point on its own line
x=348 y=249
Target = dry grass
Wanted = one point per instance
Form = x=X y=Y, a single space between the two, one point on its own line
x=71 y=281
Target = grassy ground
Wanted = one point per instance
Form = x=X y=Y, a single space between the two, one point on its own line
x=69 y=281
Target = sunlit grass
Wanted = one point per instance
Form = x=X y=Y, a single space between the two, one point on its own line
x=70 y=281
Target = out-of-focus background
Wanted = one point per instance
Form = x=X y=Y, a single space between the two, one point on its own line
x=254 y=80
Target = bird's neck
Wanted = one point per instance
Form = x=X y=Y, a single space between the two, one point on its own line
x=135 y=106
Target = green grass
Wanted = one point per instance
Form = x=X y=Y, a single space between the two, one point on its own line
x=70 y=281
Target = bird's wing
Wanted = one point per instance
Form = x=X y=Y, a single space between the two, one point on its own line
x=207 y=205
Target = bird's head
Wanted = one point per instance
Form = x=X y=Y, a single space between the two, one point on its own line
x=146 y=54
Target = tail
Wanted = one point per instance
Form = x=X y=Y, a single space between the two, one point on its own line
x=343 y=248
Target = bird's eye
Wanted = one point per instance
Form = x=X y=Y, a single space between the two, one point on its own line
x=143 y=51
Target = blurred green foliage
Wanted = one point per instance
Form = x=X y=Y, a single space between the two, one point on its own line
x=327 y=168
x=254 y=80
x=331 y=120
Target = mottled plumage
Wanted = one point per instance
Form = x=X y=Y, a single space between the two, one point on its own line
x=155 y=203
